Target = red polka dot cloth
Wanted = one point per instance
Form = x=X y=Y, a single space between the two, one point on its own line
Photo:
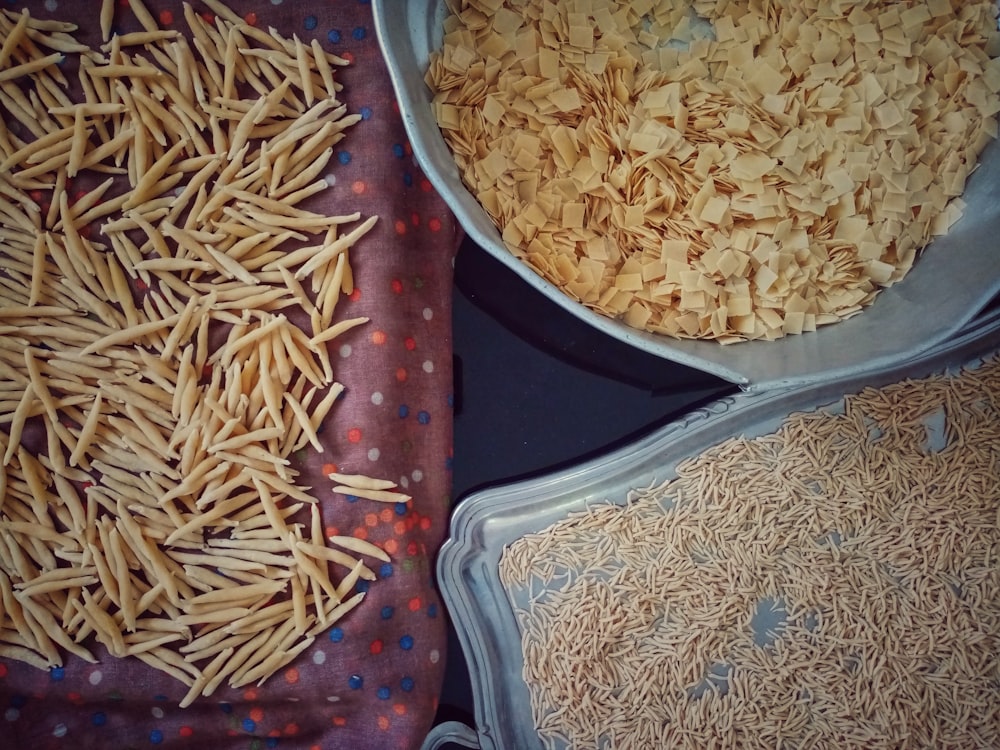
x=373 y=679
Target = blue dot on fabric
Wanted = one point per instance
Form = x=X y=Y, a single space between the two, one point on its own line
x=407 y=684
x=99 y=719
x=227 y=708
x=408 y=179
x=406 y=642
x=271 y=742
x=365 y=112
x=359 y=33
x=57 y=673
x=401 y=509
x=248 y=725
x=309 y=23
x=386 y=570
x=398 y=151
x=384 y=693
x=17 y=700
x=432 y=610
x=156 y=736
x=423 y=417
x=448 y=463
x=333 y=35
x=344 y=157
x=387 y=613
x=355 y=681
x=336 y=635
x=351 y=498
x=362 y=587
x=404 y=411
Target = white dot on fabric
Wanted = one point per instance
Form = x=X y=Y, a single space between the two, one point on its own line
x=157 y=712
x=95 y=677
x=404 y=482
x=417 y=475
x=428 y=366
x=435 y=656
x=330 y=180
x=51 y=5
x=333 y=698
x=345 y=351
x=373 y=454
x=377 y=398
x=12 y=714
x=319 y=657
x=59 y=730
x=428 y=313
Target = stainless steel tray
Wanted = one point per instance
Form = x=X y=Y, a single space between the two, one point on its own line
x=951 y=282
x=486 y=521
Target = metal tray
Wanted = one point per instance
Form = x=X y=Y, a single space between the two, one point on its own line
x=486 y=521
x=952 y=281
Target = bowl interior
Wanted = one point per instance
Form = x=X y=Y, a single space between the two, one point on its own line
x=956 y=276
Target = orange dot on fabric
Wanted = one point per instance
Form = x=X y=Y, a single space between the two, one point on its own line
x=434 y=224
x=361 y=533
x=400 y=226
x=274 y=733
x=251 y=18
x=355 y=295
x=185 y=731
x=425 y=523
x=383 y=723
x=378 y=338
x=73 y=697
x=399 y=708
x=386 y=515
x=376 y=647
x=291 y=729
x=409 y=343
x=349 y=56
x=291 y=675
x=414 y=604
x=354 y=435
x=401 y=375
x=332 y=531
x=412 y=549
x=399 y=527
x=397 y=286
x=166 y=17
x=391 y=546
x=359 y=187
x=329 y=468
x=3 y=670
x=257 y=713
x=426 y=186
x=415 y=219
x=339 y=721
x=371 y=520
x=250 y=694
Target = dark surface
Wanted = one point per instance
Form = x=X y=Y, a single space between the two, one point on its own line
x=535 y=390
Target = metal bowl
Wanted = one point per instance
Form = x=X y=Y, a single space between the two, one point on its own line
x=953 y=280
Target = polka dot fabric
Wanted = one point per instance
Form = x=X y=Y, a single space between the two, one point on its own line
x=372 y=681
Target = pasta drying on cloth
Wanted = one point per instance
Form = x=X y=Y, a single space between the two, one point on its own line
x=165 y=346
x=718 y=169
x=833 y=583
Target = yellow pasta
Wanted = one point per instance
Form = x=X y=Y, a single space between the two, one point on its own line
x=159 y=511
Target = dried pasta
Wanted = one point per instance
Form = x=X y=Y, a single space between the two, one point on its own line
x=161 y=357
x=718 y=169
x=833 y=583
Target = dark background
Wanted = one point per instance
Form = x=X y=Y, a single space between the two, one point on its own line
x=535 y=390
